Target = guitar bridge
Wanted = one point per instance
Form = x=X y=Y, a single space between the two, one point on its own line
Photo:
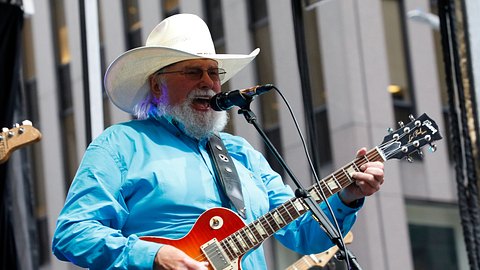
x=215 y=255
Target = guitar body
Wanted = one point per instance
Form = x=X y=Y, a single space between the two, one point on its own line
x=215 y=223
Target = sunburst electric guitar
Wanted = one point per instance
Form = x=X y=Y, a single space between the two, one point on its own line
x=19 y=135
x=319 y=259
x=220 y=236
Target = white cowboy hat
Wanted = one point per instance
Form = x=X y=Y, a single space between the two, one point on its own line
x=177 y=38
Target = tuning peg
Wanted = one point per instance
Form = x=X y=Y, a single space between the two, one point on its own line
x=401 y=124
x=16 y=125
x=5 y=129
x=27 y=123
x=411 y=117
x=420 y=153
x=433 y=147
x=390 y=130
x=409 y=159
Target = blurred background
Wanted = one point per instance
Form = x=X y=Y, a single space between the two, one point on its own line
x=350 y=70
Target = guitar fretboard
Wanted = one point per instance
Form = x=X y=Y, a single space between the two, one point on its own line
x=252 y=235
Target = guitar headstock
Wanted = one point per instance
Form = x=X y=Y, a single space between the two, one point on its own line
x=410 y=138
x=19 y=135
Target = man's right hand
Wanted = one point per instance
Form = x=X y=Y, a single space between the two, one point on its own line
x=169 y=257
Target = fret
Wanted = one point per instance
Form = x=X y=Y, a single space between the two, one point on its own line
x=254 y=230
x=273 y=222
x=336 y=181
x=251 y=236
x=265 y=220
x=347 y=175
x=241 y=241
x=238 y=246
x=356 y=167
x=260 y=228
x=227 y=249
x=236 y=242
x=278 y=219
x=297 y=204
x=233 y=246
x=284 y=215
x=332 y=185
x=314 y=258
x=315 y=193
x=351 y=170
x=288 y=212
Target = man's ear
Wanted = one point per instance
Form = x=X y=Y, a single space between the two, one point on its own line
x=155 y=86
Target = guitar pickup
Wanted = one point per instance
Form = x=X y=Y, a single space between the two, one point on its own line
x=215 y=254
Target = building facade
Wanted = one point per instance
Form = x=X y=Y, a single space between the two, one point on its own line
x=369 y=66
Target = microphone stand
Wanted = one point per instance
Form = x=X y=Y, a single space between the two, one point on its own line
x=300 y=192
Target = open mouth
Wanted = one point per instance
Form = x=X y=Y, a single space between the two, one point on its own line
x=201 y=103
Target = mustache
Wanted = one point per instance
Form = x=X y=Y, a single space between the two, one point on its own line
x=200 y=93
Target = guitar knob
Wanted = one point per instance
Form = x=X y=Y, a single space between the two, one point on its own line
x=27 y=123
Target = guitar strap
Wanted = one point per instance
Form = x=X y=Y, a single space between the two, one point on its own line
x=226 y=173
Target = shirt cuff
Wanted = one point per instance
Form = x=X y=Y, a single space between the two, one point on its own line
x=344 y=208
x=142 y=255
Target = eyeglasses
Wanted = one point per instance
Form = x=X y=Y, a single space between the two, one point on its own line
x=216 y=74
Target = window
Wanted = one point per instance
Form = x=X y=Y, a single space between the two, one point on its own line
x=170 y=7
x=317 y=88
x=133 y=26
x=398 y=55
x=64 y=89
x=436 y=236
x=269 y=104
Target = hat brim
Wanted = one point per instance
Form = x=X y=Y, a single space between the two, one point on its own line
x=126 y=79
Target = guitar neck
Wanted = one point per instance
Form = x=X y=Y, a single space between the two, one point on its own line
x=252 y=235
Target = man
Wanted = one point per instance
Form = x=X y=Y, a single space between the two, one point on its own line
x=154 y=176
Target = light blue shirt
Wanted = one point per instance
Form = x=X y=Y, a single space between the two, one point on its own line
x=147 y=178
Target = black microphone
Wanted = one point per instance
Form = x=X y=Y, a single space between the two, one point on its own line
x=226 y=100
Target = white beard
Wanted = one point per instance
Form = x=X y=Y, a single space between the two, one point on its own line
x=197 y=125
